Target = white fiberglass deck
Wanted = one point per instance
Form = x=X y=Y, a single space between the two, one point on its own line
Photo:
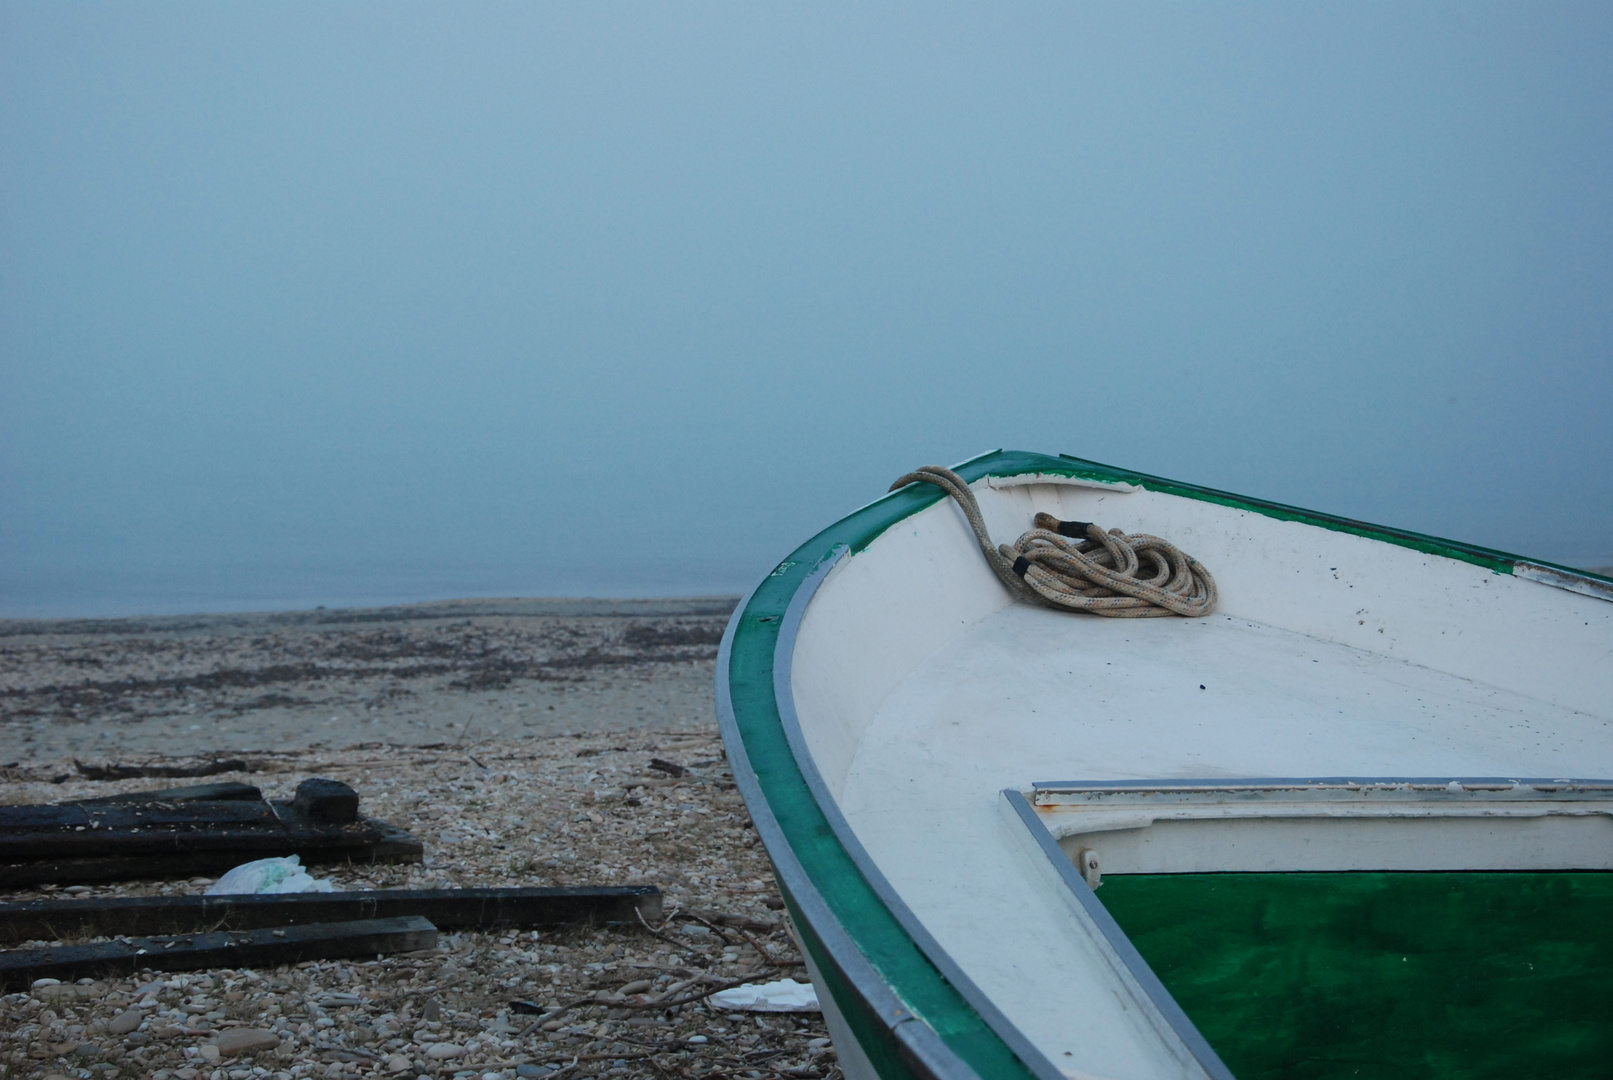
x=921 y=700
x=1082 y=698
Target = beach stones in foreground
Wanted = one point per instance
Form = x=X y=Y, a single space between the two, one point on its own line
x=125 y=1022
x=246 y=1041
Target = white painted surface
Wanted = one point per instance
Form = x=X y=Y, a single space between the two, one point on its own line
x=923 y=690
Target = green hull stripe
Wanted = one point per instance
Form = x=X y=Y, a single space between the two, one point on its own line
x=859 y=910
x=865 y=919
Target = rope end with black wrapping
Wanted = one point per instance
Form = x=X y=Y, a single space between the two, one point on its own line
x=1077 y=529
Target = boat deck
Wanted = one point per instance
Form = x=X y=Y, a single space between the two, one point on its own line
x=1028 y=694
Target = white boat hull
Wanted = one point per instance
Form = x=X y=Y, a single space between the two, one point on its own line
x=918 y=699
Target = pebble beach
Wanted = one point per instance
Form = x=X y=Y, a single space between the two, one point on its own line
x=515 y=740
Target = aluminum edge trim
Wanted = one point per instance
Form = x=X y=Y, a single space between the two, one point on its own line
x=1572 y=581
x=1307 y=783
x=931 y=1051
x=783 y=667
x=1147 y=981
x=856 y=968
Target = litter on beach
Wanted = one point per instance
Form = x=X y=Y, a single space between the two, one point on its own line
x=784 y=995
x=269 y=876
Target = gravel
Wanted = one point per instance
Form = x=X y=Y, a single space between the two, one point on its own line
x=559 y=811
x=568 y=797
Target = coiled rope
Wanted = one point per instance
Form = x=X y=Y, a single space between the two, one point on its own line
x=1077 y=566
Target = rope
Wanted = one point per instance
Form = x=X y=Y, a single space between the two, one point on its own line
x=1077 y=566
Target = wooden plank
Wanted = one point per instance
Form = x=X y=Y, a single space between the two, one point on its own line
x=232 y=949
x=85 y=830
x=114 y=838
x=113 y=771
x=52 y=920
x=391 y=845
x=229 y=789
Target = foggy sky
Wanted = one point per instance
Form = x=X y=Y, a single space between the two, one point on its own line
x=307 y=303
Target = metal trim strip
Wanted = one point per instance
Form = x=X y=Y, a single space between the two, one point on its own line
x=1301 y=783
x=1135 y=965
x=1574 y=581
x=929 y=1057
x=783 y=667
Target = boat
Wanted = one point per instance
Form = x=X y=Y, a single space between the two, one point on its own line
x=1355 y=818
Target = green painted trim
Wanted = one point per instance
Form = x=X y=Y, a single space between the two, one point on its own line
x=876 y=1038
x=878 y=935
x=1007 y=463
x=1489 y=558
x=876 y=931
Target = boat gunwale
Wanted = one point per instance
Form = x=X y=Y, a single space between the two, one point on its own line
x=918 y=1045
x=783 y=665
x=923 y=1048
x=1502 y=562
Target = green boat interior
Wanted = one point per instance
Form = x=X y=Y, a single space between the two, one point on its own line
x=1448 y=976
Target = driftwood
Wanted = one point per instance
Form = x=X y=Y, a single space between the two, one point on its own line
x=51 y=920
x=727 y=918
x=114 y=771
x=232 y=949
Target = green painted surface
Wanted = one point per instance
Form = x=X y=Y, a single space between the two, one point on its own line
x=1445 y=976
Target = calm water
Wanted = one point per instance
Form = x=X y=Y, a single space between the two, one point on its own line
x=110 y=593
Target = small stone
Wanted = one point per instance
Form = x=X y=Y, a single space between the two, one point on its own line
x=531 y=1072
x=40 y=984
x=208 y=1051
x=398 y=1063
x=443 y=1051
x=246 y=1041
x=431 y=1010
x=86 y=1049
x=125 y=1022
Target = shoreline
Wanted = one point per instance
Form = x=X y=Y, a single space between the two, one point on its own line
x=453 y=670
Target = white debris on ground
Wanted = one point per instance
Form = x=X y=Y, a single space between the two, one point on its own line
x=556 y=810
x=268 y=876
x=781 y=995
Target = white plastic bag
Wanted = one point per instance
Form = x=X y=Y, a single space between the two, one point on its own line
x=781 y=996
x=269 y=876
